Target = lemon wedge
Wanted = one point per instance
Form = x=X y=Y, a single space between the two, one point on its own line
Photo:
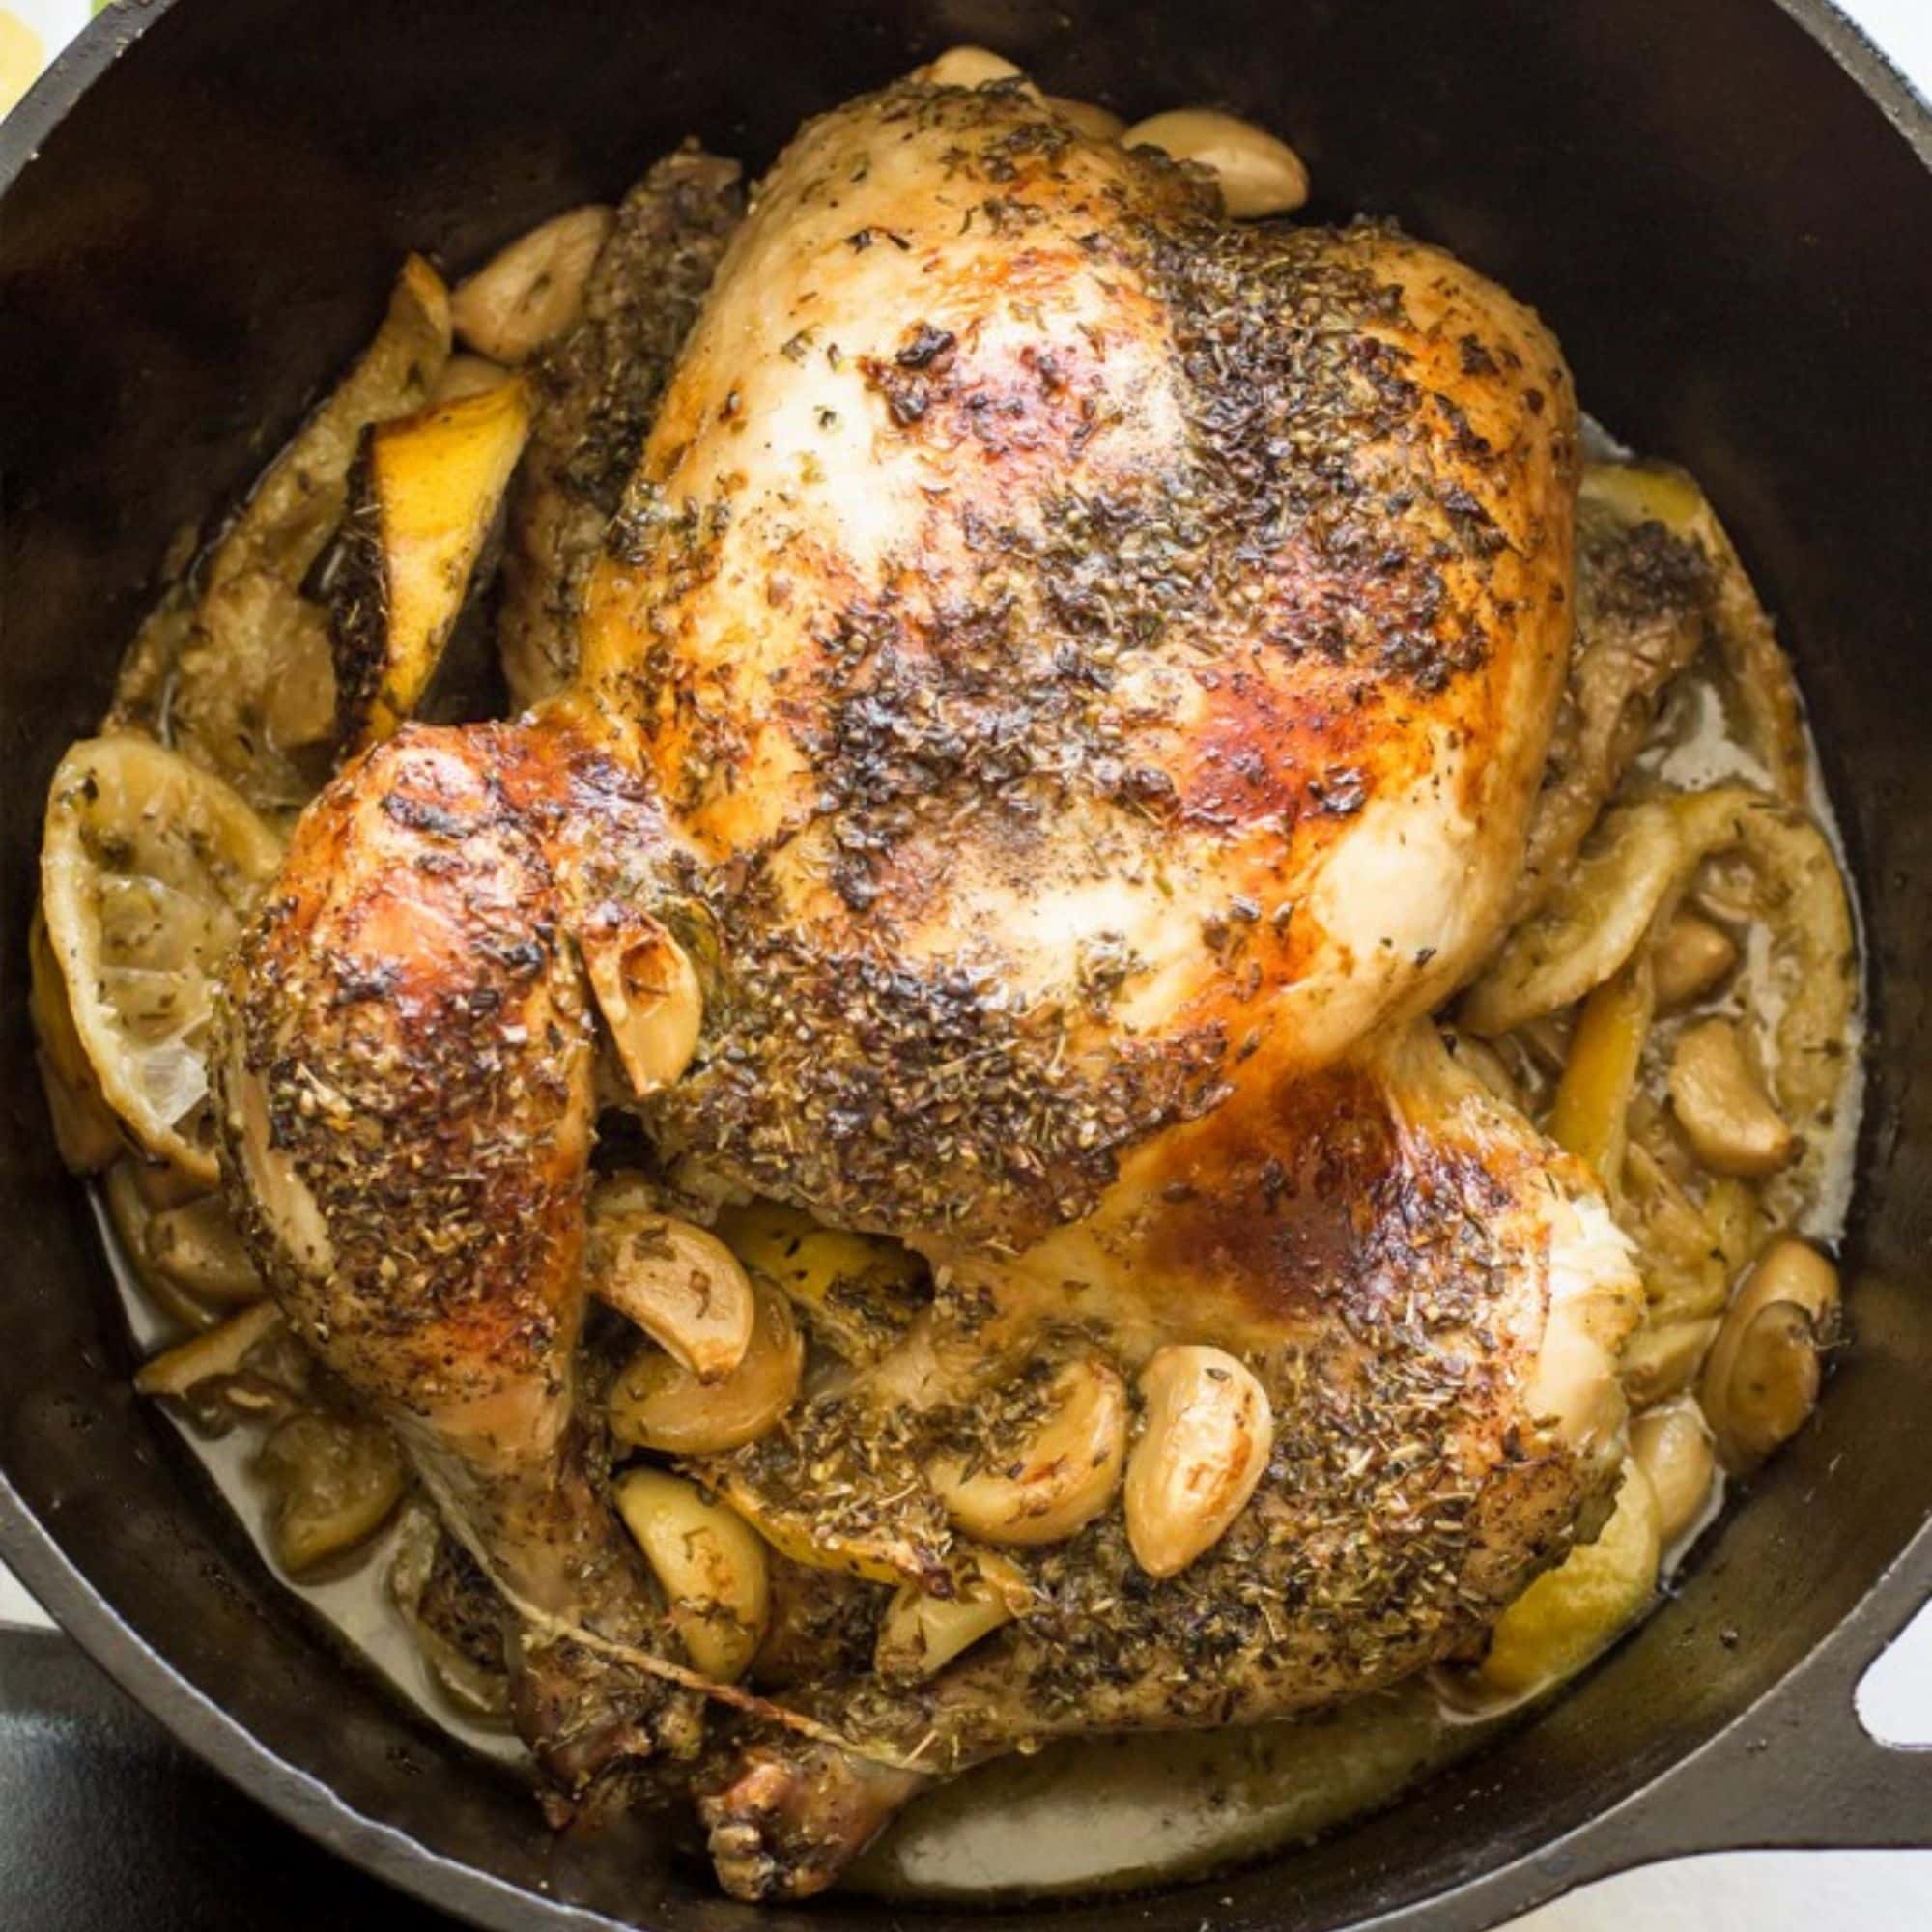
x=1579 y=1608
x=149 y=864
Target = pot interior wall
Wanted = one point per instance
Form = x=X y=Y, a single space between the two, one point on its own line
x=1737 y=253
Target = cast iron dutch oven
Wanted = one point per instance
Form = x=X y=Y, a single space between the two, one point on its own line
x=1725 y=207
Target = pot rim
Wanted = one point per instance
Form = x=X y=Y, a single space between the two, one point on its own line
x=1831 y=1785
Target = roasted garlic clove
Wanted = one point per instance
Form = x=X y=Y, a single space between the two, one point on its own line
x=334 y=1479
x=220 y=1352
x=1057 y=1478
x=1693 y=955
x=162 y=1187
x=198 y=1245
x=1791 y=1269
x=1672 y=1447
x=967 y=67
x=1761 y=1378
x=657 y=1403
x=921 y=1633
x=1721 y=1105
x=1771 y=1387
x=1736 y=1219
x=1258 y=173
x=531 y=291
x=647 y=990
x=1657 y=1363
x=1088 y=118
x=683 y=1286
x=469 y=376
x=1207 y=1432
x=709 y=1562
x=132 y=1215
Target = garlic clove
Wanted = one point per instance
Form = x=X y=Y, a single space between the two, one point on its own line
x=1207 y=1432
x=921 y=1633
x=648 y=993
x=1056 y=1479
x=709 y=1563
x=683 y=1286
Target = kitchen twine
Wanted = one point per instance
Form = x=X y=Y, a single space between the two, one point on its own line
x=554 y=1628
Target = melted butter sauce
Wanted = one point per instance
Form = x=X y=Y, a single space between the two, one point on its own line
x=353 y=1601
x=1112 y=1813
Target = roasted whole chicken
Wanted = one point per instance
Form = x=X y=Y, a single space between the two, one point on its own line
x=888 y=1148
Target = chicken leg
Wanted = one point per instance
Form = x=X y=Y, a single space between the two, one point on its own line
x=1433 y=1298
x=407 y=1105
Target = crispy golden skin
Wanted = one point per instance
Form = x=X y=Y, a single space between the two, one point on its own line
x=1084 y=670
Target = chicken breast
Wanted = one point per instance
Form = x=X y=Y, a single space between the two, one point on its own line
x=1084 y=606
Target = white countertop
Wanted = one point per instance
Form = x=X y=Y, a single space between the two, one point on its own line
x=1738 y=1891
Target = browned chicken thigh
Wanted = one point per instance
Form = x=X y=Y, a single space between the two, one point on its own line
x=410 y=1093
x=1063 y=693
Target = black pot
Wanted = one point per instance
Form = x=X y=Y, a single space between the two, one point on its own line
x=1724 y=208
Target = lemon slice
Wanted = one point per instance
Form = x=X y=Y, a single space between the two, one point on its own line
x=1577 y=1610
x=148 y=866
x=86 y=1130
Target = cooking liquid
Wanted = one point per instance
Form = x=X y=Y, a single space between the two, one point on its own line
x=1097 y=1815
x=356 y=1601
x=1092 y=1814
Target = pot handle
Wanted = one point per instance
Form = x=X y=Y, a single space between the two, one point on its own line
x=1796 y=1772
x=1802 y=1770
